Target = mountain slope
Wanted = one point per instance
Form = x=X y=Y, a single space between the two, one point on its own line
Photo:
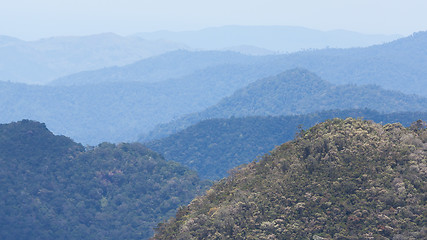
x=213 y=147
x=296 y=91
x=53 y=188
x=342 y=179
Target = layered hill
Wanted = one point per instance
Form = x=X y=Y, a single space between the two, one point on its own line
x=54 y=188
x=172 y=65
x=398 y=65
x=213 y=147
x=118 y=112
x=47 y=59
x=341 y=179
x=296 y=91
x=273 y=38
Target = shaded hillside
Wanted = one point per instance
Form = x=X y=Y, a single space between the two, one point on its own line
x=213 y=147
x=52 y=188
x=47 y=59
x=342 y=179
x=296 y=91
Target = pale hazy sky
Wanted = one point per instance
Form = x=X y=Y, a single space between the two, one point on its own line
x=32 y=19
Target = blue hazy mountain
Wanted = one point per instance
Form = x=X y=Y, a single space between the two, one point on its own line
x=296 y=91
x=398 y=65
x=171 y=65
x=119 y=112
x=273 y=38
x=43 y=60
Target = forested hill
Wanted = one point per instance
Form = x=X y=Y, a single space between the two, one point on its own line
x=213 y=147
x=52 y=188
x=296 y=91
x=341 y=179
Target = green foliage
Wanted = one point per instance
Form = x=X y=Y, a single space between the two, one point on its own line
x=341 y=179
x=212 y=147
x=52 y=188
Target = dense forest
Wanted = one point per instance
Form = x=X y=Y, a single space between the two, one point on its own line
x=341 y=179
x=296 y=91
x=213 y=147
x=54 y=188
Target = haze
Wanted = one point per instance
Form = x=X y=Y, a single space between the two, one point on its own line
x=30 y=20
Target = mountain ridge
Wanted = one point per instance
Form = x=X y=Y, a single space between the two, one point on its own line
x=296 y=91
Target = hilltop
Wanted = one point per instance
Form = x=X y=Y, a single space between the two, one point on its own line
x=341 y=179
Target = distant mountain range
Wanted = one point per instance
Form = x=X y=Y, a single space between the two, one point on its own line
x=296 y=91
x=118 y=112
x=273 y=38
x=47 y=59
x=117 y=104
x=398 y=65
x=172 y=65
x=44 y=60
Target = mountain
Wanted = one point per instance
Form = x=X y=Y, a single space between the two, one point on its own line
x=119 y=112
x=296 y=91
x=54 y=188
x=341 y=179
x=273 y=38
x=171 y=65
x=47 y=59
x=213 y=147
x=398 y=65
